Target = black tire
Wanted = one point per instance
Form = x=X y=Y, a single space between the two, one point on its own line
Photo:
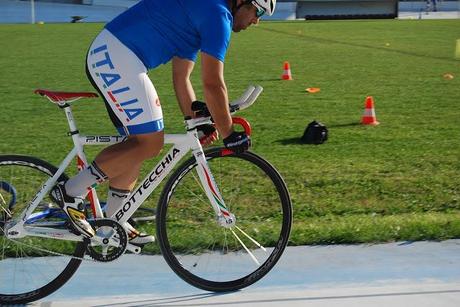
x=185 y=216
x=27 y=174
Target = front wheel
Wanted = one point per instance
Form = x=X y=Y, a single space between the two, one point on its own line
x=31 y=267
x=217 y=258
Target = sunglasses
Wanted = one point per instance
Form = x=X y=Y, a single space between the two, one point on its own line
x=260 y=11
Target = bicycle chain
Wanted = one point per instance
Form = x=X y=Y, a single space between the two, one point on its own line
x=53 y=253
x=73 y=257
x=95 y=256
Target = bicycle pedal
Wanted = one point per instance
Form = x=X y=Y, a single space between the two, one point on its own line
x=134 y=248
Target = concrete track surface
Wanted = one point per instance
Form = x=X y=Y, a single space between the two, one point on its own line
x=401 y=274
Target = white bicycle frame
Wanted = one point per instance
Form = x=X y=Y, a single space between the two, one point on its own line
x=181 y=145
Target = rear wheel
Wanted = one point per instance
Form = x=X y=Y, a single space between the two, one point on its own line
x=217 y=258
x=31 y=267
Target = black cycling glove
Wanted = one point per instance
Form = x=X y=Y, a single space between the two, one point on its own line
x=207 y=133
x=237 y=142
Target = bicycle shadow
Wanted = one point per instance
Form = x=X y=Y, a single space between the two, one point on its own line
x=188 y=300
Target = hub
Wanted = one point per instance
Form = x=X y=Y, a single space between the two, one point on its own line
x=13 y=230
x=226 y=221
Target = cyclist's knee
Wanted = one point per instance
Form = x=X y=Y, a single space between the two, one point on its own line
x=148 y=145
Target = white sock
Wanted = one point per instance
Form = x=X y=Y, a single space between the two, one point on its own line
x=115 y=199
x=90 y=177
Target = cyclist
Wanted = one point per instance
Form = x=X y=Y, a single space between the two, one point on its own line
x=148 y=34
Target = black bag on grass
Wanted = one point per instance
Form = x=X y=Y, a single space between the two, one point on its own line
x=315 y=133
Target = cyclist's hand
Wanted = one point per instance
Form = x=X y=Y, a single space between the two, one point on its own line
x=207 y=134
x=237 y=142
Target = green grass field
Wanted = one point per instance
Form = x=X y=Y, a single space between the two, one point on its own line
x=396 y=181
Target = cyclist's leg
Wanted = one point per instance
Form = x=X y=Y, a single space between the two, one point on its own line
x=133 y=106
x=116 y=198
x=126 y=159
x=121 y=162
x=135 y=110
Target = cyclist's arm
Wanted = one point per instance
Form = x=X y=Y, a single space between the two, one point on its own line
x=215 y=93
x=181 y=70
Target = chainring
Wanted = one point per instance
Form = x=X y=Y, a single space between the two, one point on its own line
x=110 y=241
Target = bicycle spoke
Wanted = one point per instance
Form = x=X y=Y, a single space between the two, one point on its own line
x=225 y=245
x=247 y=249
x=4 y=208
x=203 y=198
x=250 y=238
x=198 y=181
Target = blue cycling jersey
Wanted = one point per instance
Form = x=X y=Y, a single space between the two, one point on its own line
x=157 y=30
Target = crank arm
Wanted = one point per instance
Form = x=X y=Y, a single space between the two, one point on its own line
x=133 y=248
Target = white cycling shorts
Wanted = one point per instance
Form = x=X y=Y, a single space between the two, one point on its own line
x=121 y=78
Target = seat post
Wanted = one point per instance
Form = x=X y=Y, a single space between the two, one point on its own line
x=73 y=132
x=70 y=119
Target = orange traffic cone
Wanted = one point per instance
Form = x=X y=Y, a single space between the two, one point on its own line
x=287 y=72
x=369 y=117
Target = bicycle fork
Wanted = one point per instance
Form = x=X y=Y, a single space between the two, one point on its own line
x=224 y=217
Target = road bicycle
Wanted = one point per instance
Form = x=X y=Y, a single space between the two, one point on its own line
x=223 y=219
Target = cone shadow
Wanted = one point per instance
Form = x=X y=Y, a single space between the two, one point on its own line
x=345 y=125
x=271 y=79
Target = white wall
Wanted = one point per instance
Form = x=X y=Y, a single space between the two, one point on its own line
x=13 y=11
x=415 y=6
x=283 y=11
x=326 y=8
